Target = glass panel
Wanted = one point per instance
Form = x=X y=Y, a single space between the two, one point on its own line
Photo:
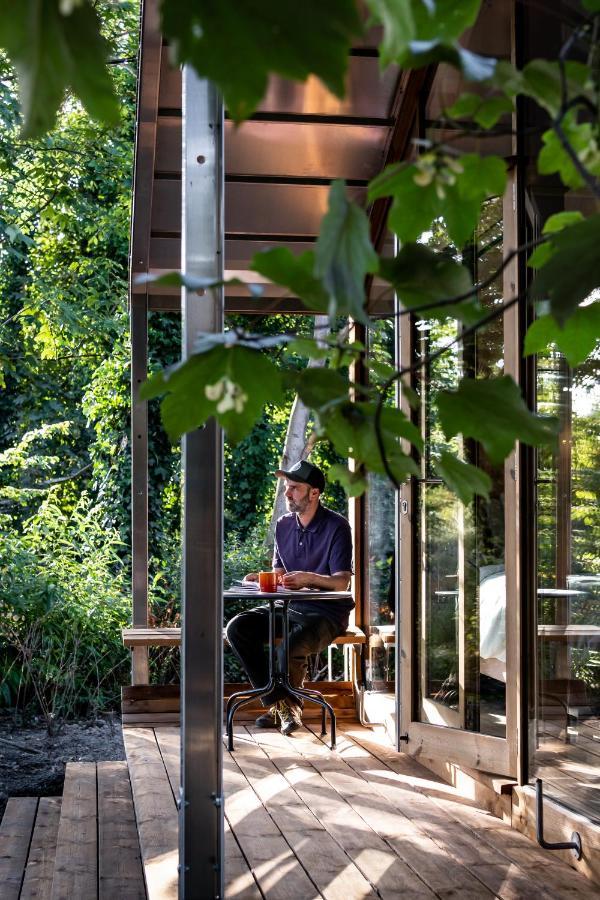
x=460 y=549
x=567 y=755
x=381 y=550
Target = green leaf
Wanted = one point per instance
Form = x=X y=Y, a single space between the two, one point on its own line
x=351 y=429
x=354 y=483
x=485 y=111
x=492 y=411
x=414 y=207
x=282 y=267
x=463 y=479
x=426 y=53
x=421 y=277
x=237 y=43
x=481 y=177
x=439 y=185
x=193 y=283
x=53 y=52
x=464 y=107
x=573 y=270
x=491 y=111
x=554 y=223
x=553 y=157
x=540 y=256
x=318 y=387
x=309 y=348
x=229 y=383
x=561 y=220
x=575 y=340
x=344 y=255
x=592 y=5
x=541 y=80
x=409 y=20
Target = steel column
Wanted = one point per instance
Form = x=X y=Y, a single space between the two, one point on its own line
x=139 y=482
x=201 y=815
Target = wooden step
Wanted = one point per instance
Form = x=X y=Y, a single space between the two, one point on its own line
x=16 y=831
x=40 y=863
x=76 y=860
x=97 y=851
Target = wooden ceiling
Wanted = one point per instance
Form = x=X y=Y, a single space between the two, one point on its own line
x=278 y=165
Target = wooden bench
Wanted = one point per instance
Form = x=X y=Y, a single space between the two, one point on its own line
x=171 y=637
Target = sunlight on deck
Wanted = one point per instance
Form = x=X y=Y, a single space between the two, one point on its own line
x=302 y=822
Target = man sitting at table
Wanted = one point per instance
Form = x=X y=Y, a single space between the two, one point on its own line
x=313 y=549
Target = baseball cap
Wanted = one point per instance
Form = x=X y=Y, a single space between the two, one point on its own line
x=305 y=472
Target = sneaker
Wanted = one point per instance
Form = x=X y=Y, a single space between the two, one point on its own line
x=290 y=717
x=268 y=719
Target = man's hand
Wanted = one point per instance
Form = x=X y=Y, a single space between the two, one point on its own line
x=251 y=576
x=296 y=580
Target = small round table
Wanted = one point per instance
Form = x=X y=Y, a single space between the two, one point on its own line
x=281 y=678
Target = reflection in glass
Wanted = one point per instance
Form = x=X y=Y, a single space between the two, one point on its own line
x=567 y=755
x=381 y=548
x=381 y=517
x=460 y=549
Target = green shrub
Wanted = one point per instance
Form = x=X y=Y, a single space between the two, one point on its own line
x=64 y=598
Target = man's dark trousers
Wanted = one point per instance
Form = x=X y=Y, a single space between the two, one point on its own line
x=248 y=633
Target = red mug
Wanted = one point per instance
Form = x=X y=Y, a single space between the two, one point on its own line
x=268 y=582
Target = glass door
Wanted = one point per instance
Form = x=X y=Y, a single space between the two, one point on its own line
x=454 y=595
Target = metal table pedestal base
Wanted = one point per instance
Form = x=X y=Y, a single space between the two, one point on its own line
x=279 y=679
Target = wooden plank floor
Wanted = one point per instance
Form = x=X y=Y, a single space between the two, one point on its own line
x=81 y=846
x=364 y=821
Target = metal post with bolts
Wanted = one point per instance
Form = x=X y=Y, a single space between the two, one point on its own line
x=201 y=829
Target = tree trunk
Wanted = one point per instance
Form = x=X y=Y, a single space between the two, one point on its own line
x=296 y=446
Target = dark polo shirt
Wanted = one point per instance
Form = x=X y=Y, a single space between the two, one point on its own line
x=323 y=547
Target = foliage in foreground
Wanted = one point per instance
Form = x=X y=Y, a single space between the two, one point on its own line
x=236 y=377
x=231 y=376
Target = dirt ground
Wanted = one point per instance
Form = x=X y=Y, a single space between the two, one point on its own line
x=41 y=773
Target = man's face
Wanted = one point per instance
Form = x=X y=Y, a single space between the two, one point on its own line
x=297 y=496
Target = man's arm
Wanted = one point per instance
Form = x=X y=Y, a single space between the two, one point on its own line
x=339 y=581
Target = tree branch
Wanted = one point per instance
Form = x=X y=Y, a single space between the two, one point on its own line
x=426 y=361
x=46 y=484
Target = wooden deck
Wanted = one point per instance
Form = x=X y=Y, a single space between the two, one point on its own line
x=301 y=822
x=364 y=821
